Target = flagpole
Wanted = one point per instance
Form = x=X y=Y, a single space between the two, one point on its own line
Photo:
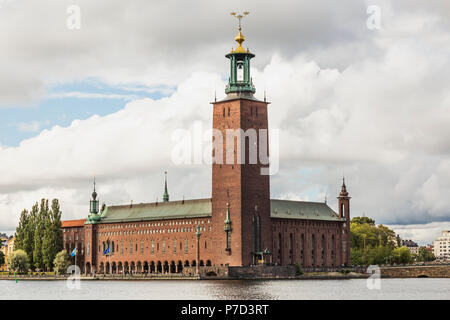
x=75 y=256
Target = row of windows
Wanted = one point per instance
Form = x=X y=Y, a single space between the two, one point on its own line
x=153 y=245
x=156 y=224
x=153 y=231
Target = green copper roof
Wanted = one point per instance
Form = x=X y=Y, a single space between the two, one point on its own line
x=158 y=211
x=286 y=209
x=283 y=209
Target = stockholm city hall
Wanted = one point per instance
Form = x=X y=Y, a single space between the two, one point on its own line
x=240 y=225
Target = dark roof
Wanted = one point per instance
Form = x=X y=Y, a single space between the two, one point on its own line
x=409 y=243
x=282 y=209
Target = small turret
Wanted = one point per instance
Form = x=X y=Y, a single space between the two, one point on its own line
x=166 y=194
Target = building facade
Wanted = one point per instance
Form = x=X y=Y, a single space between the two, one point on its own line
x=441 y=246
x=240 y=225
x=411 y=245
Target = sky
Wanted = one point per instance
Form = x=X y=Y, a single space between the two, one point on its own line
x=359 y=88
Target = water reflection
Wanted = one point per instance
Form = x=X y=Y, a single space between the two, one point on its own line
x=239 y=289
x=228 y=290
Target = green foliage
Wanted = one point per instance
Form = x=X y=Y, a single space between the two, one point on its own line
x=298 y=269
x=41 y=219
x=18 y=261
x=39 y=234
x=61 y=262
x=425 y=255
x=2 y=258
x=369 y=243
x=402 y=255
x=53 y=238
x=363 y=220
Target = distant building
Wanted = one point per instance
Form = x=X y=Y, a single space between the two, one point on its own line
x=239 y=225
x=411 y=245
x=7 y=250
x=429 y=248
x=442 y=246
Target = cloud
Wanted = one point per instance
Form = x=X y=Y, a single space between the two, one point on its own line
x=372 y=104
x=424 y=233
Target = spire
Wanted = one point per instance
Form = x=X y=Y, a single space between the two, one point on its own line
x=344 y=192
x=239 y=38
x=94 y=202
x=227 y=222
x=94 y=194
x=166 y=194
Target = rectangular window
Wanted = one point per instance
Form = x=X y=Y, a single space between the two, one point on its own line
x=121 y=247
x=142 y=247
x=131 y=247
x=164 y=246
x=186 y=246
x=228 y=240
x=153 y=247
x=88 y=248
x=174 y=246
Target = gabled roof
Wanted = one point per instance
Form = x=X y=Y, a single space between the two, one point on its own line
x=72 y=223
x=287 y=209
x=158 y=211
x=283 y=209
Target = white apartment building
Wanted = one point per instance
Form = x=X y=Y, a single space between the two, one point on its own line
x=442 y=246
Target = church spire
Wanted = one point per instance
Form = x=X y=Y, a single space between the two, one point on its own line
x=166 y=194
x=344 y=192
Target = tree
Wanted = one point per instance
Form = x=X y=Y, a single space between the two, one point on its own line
x=425 y=255
x=18 y=261
x=379 y=242
x=53 y=239
x=402 y=255
x=24 y=236
x=61 y=262
x=38 y=260
x=363 y=220
x=2 y=258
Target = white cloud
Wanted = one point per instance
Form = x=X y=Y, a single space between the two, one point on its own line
x=372 y=104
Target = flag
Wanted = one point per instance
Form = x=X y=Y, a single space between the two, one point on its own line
x=107 y=251
x=74 y=252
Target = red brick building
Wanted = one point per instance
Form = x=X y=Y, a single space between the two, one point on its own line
x=240 y=225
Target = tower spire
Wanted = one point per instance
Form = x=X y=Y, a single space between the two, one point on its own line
x=166 y=194
x=240 y=80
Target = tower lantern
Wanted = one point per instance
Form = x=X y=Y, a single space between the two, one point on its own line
x=240 y=79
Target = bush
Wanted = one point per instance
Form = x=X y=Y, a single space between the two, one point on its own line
x=298 y=269
x=61 y=262
x=18 y=261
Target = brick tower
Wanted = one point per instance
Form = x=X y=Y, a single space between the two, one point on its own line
x=344 y=212
x=240 y=192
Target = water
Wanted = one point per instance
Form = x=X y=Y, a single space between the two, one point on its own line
x=233 y=289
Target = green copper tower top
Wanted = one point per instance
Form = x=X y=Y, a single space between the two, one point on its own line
x=240 y=79
x=166 y=194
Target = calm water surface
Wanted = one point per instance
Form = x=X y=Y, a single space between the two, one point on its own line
x=234 y=289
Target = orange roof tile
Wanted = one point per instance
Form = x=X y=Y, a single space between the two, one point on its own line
x=72 y=223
